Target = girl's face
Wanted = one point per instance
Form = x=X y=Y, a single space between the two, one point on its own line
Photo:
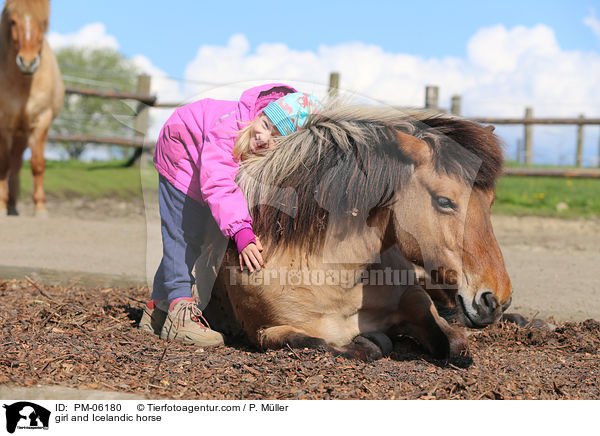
x=261 y=134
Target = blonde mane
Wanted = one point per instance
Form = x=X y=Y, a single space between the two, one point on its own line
x=346 y=161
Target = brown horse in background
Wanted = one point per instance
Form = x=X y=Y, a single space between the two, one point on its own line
x=362 y=191
x=31 y=96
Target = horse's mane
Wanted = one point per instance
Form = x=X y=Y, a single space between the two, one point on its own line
x=346 y=162
x=39 y=10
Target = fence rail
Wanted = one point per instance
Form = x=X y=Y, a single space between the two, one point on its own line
x=572 y=121
x=150 y=100
x=431 y=102
x=579 y=173
x=116 y=140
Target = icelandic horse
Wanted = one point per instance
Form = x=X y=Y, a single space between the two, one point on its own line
x=31 y=96
x=354 y=212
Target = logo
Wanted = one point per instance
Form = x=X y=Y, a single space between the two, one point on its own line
x=26 y=415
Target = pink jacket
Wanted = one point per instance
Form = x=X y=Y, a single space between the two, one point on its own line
x=194 y=153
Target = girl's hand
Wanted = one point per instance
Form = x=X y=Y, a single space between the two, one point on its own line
x=251 y=256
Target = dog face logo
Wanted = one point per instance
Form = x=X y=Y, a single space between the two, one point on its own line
x=26 y=415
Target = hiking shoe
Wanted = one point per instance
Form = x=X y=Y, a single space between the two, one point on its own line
x=153 y=318
x=185 y=323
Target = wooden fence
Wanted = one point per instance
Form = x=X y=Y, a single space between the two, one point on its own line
x=146 y=100
x=431 y=102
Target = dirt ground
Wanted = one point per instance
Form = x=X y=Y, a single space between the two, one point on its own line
x=92 y=259
x=86 y=338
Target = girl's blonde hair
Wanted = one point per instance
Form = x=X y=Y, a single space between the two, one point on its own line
x=241 y=149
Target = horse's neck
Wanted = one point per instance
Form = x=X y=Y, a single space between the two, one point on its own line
x=341 y=250
x=358 y=248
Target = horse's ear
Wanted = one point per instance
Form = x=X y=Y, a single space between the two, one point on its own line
x=416 y=149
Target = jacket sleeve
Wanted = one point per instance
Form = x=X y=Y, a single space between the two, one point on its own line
x=220 y=191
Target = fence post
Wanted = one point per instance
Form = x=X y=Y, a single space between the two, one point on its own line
x=528 y=137
x=455 y=107
x=431 y=97
x=334 y=84
x=578 y=156
x=142 y=117
x=519 y=146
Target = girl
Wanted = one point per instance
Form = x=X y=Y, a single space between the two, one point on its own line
x=197 y=155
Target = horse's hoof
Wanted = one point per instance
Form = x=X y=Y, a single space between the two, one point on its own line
x=12 y=211
x=461 y=361
x=381 y=340
x=458 y=345
x=41 y=213
x=365 y=349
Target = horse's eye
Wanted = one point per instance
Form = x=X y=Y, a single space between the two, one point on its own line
x=445 y=203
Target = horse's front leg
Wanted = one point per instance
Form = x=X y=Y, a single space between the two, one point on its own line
x=420 y=320
x=16 y=162
x=37 y=142
x=361 y=348
x=5 y=146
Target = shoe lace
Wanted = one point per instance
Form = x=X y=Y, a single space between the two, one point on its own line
x=193 y=312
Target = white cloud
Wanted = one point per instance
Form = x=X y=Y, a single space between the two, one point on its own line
x=91 y=35
x=593 y=23
x=505 y=70
x=498 y=50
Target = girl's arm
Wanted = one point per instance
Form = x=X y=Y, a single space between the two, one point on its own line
x=225 y=198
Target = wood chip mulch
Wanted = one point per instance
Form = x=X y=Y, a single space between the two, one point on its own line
x=87 y=338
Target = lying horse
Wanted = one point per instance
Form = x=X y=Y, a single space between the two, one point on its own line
x=31 y=95
x=363 y=190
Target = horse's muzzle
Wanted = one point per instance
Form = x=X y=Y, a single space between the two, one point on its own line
x=28 y=68
x=480 y=311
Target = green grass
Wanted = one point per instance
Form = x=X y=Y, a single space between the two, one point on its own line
x=514 y=195
x=540 y=195
x=515 y=164
x=92 y=180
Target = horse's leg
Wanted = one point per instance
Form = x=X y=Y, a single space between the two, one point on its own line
x=16 y=162
x=420 y=320
x=444 y=303
x=284 y=335
x=5 y=146
x=37 y=142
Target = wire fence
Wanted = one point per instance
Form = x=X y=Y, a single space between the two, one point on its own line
x=138 y=121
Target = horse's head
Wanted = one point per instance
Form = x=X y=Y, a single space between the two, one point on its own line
x=442 y=217
x=27 y=21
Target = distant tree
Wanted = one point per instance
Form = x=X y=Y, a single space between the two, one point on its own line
x=104 y=69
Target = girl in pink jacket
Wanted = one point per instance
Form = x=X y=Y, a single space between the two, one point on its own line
x=197 y=156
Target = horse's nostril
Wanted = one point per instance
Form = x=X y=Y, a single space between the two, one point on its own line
x=489 y=300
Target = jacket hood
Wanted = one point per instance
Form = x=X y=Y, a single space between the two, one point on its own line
x=255 y=99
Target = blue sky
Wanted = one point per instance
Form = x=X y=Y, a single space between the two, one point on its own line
x=170 y=33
